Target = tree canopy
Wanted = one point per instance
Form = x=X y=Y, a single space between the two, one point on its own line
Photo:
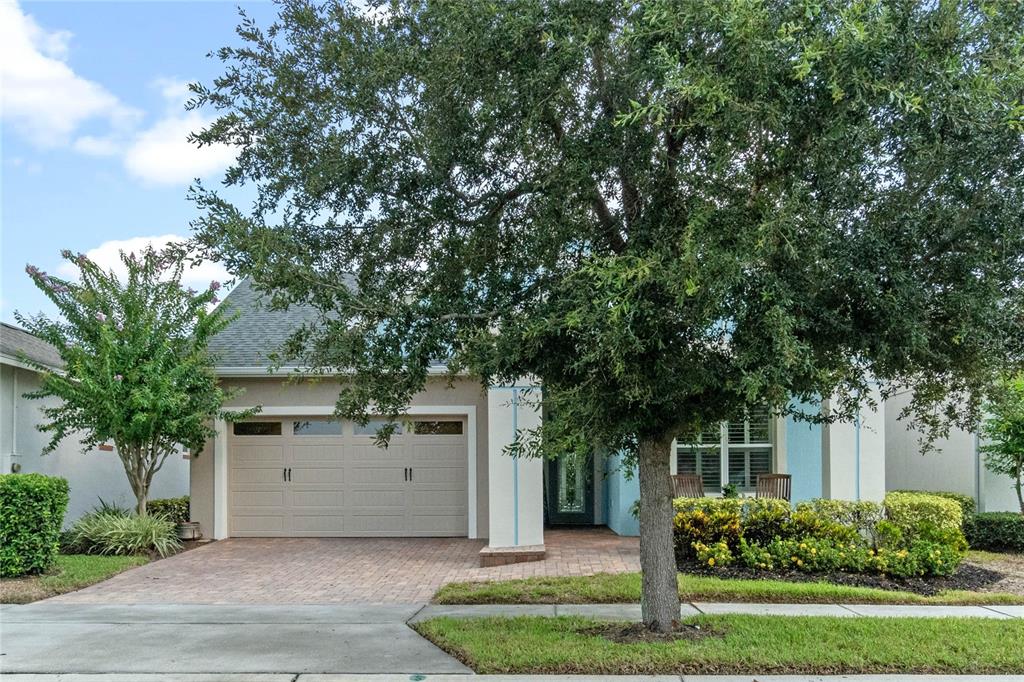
x=664 y=211
x=136 y=371
x=1004 y=431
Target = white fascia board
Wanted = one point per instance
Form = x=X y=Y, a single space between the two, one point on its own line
x=238 y=372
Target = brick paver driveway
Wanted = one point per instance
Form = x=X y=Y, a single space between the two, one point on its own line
x=346 y=570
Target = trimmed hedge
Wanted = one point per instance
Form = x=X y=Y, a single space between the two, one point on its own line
x=910 y=534
x=32 y=508
x=996 y=531
x=909 y=510
x=173 y=509
x=967 y=503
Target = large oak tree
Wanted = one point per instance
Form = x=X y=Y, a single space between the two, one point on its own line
x=665 y=211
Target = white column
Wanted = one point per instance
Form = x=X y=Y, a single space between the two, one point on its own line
x=220 y=480
x=515 y=484
x=853 y=456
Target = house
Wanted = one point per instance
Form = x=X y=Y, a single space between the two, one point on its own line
x=293 y=471
x=92 y=475
x=955 y=464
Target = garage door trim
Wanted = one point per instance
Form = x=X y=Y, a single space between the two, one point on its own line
x=220 y=453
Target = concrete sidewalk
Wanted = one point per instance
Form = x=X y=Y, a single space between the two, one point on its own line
x=511 y=678
x=632 y=611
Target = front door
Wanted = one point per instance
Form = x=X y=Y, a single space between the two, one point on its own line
x=571 y=491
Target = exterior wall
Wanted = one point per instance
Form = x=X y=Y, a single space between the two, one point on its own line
x=853 y=457
x=90 y=475
x=803 y=458
x=954 y=465
x=323 y=392
x=620 y=494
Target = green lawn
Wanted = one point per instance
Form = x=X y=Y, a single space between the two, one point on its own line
x=71 y=572
x=751 y=644
x=605 y=588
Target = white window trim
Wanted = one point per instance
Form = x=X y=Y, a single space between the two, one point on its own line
x=776 y=433
x=220 y=454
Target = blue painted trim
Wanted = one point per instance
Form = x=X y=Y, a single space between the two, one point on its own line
x=857 y=459
x=515 y=469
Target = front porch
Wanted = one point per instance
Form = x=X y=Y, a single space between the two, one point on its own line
x=837 y=461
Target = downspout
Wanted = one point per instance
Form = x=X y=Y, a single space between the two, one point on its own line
x=515 y=469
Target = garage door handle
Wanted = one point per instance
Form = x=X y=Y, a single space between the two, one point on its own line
x=289 y=474
x=284 y=474
x=410 y=473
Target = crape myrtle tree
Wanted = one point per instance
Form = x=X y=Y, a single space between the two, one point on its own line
x=1004 y=429
x=136 y=371
x=664 y=212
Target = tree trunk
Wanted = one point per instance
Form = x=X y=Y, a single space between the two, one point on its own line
x=659 y=601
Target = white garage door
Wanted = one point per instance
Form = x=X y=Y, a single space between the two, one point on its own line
x=309 y=476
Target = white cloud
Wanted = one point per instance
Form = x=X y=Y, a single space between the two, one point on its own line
x=108 y=256
x=162 y=154
x=43 y=98
x=92 y=145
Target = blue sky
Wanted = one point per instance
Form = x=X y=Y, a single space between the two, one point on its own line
x=94 y=156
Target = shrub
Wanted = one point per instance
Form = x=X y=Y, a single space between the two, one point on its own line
x=810 y=524
x=862 y=516
x=765 y=519
x=996 y=531
x=910 y=510
x=716 y=555
x=32 y=510
x=698 y=526
x=111 y=533
x=174 y=509
x=967 y=504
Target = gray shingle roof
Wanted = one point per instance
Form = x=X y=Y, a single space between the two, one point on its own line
x=15 y=341
x=257 y=331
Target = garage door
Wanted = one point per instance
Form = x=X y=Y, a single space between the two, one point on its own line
x=315 y=477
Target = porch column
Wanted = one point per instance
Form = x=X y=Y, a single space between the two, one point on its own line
x=515 y=485
x=853 y=456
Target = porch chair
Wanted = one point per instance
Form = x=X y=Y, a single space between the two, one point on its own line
x=688 y=485
x=779 y=486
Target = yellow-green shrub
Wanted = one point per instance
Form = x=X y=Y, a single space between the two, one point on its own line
x=913 y=511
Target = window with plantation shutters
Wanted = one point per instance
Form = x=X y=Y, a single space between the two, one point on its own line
x=738 y=450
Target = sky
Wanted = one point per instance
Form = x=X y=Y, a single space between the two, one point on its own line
x=93 y=150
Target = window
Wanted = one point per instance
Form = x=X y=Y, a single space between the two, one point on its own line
x=373 y=426
x=317 y=427
x=257 y=428
x=742 y=447
x=437 y=428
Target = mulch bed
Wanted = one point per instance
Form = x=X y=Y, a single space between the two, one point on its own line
x=967 y=577
x=632 y=633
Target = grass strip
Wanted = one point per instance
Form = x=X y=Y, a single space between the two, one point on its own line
x=70 y=572
x=624 y=588
x=748 y=644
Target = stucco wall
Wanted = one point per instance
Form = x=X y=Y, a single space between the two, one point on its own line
x=953 y=465
x=622 y=490
x=90 y=475
x=278 y=392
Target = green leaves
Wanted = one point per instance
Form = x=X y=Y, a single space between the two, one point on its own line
x=664 y=211
x=136 y=371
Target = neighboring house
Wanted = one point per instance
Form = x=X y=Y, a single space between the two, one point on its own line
x=91 y=475
x=956 y=464
x=292 y=471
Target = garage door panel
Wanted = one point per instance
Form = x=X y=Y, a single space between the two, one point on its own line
x=258 y=499
x=319 y=475
x=318 y=524
x=377 y=498
x=258 y=524
x=329 y=455
x=266 y=455
x=333 y=499
x=370 y=475
x=344 y=485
